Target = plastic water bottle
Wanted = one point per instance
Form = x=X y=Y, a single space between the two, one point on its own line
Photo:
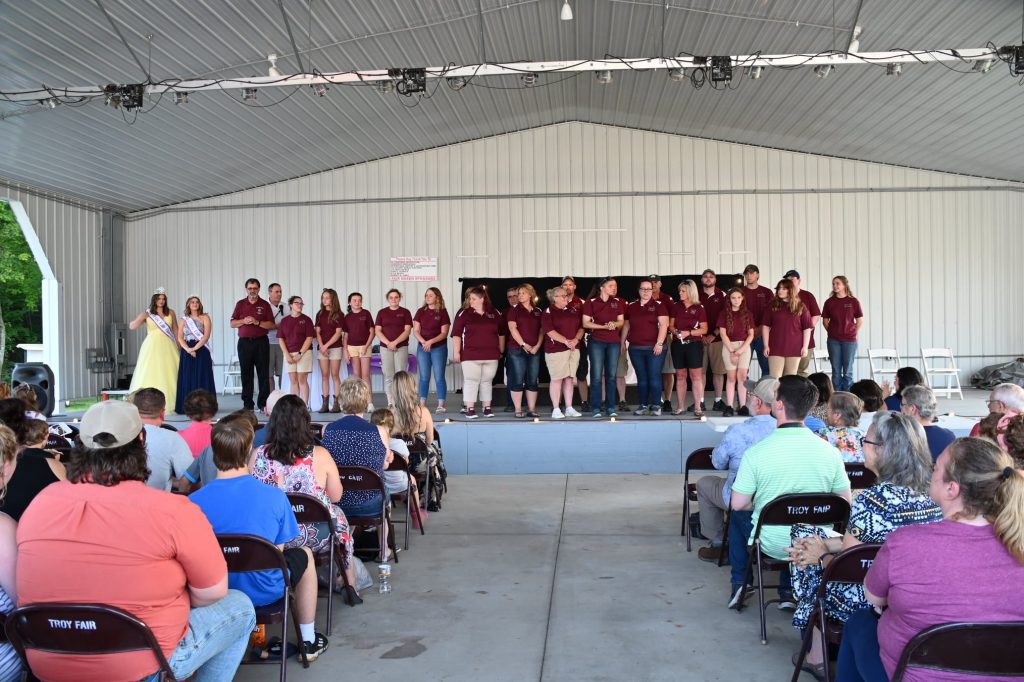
x=384 y=578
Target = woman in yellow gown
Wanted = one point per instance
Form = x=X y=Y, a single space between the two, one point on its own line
x=157 y=366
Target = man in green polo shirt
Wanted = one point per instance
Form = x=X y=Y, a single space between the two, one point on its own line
x=790 y=460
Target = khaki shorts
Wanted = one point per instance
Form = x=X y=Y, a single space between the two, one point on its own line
x=623 y=367
x=562 y=365
x=669 y=366
x=713 y=357
x=359 y=351
x=336 y=353
x=304 y=365
x=743 y=360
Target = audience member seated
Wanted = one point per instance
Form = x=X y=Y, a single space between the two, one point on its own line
x=905 y=378
x=23 y=477
x=10 y=665
x=1004 y=398
x=896 y=451
x=27 y=395
x=873 y=398
x=397 y=481
x=168 y=454
x=790 y=460
x=714 y=492
x=411 y=418
x=290 y=461
x=105 y=537
x=819 y=413
x=260 y=438
x=841 y=429
x=237 y=503
x=202 y=470
x=201 y=407
x=919 y=402
x=967 y=567
x=353 y=441
x=1006 y=431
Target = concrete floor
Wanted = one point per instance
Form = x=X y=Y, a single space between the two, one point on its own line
x=552 y=577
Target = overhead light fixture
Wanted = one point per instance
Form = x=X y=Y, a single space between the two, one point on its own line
x=51 y=102
x=457 y=82
x=894 y=69
x=823 y=70
x=984 y=65
x=754 y=72
x=181 y=98
x=566 y=11
x=854 y=45
x=384 y=86
x=319 y=89
x=528 y=79
x=249 y=94
x=273 y=71
x=677 y=74
x=603 y=77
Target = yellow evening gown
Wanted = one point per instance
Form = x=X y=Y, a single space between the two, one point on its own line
x=157 y=366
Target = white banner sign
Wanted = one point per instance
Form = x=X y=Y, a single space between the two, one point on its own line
x=413 y=269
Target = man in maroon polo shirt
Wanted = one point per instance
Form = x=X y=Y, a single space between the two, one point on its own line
x=253 y=318
x=583 y=370
x=811 y=304
x=713 y=300
x=757 y=299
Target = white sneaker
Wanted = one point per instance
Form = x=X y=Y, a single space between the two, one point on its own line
x=569 y=412
x=557 y=414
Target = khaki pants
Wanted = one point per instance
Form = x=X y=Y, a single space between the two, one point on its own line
x=711 y=507
x=805 y=363
x=392 y=361
x=478 y=377
x=780 y=367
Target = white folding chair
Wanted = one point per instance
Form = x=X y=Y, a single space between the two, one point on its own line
x=232 y=377
x=945 y=369
x=819 y=357
x=884 y=363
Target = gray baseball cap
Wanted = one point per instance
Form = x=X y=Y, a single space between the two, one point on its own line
x=110 y=424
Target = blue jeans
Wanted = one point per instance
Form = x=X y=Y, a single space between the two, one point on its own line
x=757 y=349
x=741 y=525
x=842 y=354
x=215 y=641
x=523 y=370
x=604 y=359
x=434 y=360
x=859 y=657
x=647 y=366
x=371 y=507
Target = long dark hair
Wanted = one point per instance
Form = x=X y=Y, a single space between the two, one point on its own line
x=335 y=314
x=152 y=303
x=744 y=312
x=109 y=466
x=908 y=376
x=288 y=432
x=349 y=306
x=794 y=305
x=12 y=415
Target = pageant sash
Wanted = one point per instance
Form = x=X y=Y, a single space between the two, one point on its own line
x=162 y=326
x=196 y=332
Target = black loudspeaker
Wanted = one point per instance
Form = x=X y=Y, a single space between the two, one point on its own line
x=40 y=377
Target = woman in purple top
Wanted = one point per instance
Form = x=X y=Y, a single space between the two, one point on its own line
x=968 y=567
x=842 y=317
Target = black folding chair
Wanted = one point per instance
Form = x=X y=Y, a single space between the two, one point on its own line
x=251 y=553
x=860 y=476
x=972 y=648
x=698 y=460
x=317 y=430
x=309 y=509
x=399 y=463
x=363 y=478
x=848 y=566
x=420 y=450
x=82 y=629
x=816 y=509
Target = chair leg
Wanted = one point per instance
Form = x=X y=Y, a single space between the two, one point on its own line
x=298 y=635
x=414 y=509
x=805 y=642
x=760 y=596
x=823 y=625
x=686 y=515
x=725 y=542
x=331 y=578
x=284 y=637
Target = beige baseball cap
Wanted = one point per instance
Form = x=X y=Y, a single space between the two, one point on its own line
x=110 y=424
x=765 y=389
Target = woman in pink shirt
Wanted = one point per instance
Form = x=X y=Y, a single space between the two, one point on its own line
x=201 y=407
x=968 y=567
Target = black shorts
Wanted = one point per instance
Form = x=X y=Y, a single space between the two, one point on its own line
x=583 y=370
x=687 y=355
x=297 y=561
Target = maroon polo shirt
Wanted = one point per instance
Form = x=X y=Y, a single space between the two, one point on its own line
x=359 y=327
x=565 y=321
x=786 y=335
x=294 y=331
x=431 y=322
x=666 y=299
x=603 y=312
x=688 y=318
x=713 y=303
x=479 y=333
x=811 y=304
x=393 y=322
x=527 y=323
x=841 y=314
x=643 y=321
x=737 y=331
x=328 y=327
x=757 y=303
x=260 y=310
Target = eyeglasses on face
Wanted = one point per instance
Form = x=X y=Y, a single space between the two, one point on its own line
x=864 y=440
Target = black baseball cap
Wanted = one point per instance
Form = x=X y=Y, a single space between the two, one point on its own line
x=654 y=278
x=791 y=273
x=751 y=268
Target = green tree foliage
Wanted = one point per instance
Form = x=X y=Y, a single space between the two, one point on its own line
x=21 y=287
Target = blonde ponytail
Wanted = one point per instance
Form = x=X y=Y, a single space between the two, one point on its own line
x=1009 y=516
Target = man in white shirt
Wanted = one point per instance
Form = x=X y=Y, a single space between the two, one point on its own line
x=276 y=357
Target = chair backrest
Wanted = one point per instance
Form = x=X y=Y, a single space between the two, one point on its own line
x=360 y=478
x=251 y=553
x=81 y=629
x=860 y=476
x=979 y=648
x=308 y=509
x=317 y=429
x=699 y=460
x=850 y=565
x=815 y=509
x=945 y=355
x=169 y=427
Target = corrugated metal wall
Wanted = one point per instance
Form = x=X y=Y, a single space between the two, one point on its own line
x=70 y=234
x=930 y=261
